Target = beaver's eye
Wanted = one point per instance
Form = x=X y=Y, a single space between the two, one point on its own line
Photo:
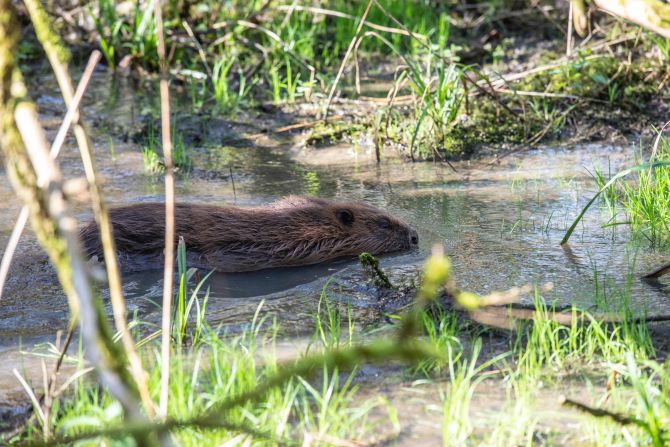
x=384 y=224
x=346 y=217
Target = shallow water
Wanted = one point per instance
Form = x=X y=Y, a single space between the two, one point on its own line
x=500 y=220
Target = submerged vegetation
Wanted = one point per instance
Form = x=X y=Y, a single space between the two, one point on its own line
x=435 y=80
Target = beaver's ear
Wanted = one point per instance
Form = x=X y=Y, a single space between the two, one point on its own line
x=345 y=217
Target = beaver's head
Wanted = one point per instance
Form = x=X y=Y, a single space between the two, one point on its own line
x=324 y=229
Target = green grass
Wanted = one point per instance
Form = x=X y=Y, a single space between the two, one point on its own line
x=441 y=327
x=209 y=365
x=217 y=366
x=270 y=51
x=464 y=376
x=641 y=395
x=154 y=163
x=638 y=196
x=188 y=299
x=548 y=344
x=328 y=321
x=133 y=35
x=227 y=97
x=646 y=199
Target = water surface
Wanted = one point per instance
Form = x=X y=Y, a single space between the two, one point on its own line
x=499 y=220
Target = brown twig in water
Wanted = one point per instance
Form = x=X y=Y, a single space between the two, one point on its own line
x=599 y=413
x=506 y=317
x=661 y=271
x=169 y=213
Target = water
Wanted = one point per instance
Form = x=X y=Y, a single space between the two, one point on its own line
x=500 y=220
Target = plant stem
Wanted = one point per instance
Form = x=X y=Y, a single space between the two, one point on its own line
x=169 y=214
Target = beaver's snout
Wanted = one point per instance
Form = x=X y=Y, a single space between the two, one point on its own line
x=413 y=238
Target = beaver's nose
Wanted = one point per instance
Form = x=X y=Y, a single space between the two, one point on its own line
x=413 y=237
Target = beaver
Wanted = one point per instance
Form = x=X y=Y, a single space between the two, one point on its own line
x=293 y=231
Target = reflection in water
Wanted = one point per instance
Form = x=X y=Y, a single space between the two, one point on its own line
x=238 y=285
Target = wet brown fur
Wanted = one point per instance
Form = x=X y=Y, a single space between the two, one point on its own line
x=292 y=231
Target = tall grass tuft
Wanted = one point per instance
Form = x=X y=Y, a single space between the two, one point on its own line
x=545 y=343
x=187 y=299
x=646 y=199
x=329 y=322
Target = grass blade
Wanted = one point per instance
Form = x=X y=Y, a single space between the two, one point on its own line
x=613 y=180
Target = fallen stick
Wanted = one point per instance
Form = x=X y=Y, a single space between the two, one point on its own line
x=599 y=412
x=506 y=317
x=664 y=270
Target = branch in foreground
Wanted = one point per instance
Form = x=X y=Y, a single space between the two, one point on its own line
x=169 y=213
x=28 y=163
x=58 y=58
x=651 y=14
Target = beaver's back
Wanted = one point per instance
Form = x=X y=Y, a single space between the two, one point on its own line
x=293 y=231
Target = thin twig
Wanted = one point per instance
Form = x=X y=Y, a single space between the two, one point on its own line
x=342 y=15
x=201 y=51
x=13 y=242
x=232 y=180
x=33 y=399
x=346 y=58
x=418 y=37
x=548 y=95
x=568 y=45
x=169 y=213
x=50 y=388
